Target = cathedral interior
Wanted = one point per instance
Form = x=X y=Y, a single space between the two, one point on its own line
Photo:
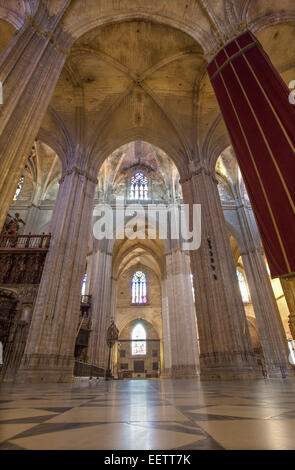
x=135 y=338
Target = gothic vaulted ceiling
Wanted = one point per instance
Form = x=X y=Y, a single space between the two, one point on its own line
x=137 y=71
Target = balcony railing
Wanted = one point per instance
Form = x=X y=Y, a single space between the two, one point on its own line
x=85 y=316
x=24 y=242
x=85 y=300
x=22 y=258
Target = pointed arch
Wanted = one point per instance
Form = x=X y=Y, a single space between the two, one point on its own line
x=138 y=340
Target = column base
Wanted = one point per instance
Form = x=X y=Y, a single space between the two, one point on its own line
x=45 y=376
x=43 y=368
x=277 y=372
x=227 y=366
x=8 y=375
x=181 y=372
x=229 y=373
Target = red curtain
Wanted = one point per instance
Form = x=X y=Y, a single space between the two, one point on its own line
x=261 y=122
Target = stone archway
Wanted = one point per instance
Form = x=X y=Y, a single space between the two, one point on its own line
x=139 y=364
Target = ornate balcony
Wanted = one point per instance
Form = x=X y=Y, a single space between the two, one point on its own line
x=84 y=328
x=22 y=258
x=15 y=243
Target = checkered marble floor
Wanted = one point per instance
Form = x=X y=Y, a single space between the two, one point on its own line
x=149 y=414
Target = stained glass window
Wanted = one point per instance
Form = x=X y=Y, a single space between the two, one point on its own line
x=139 y=187
x=243 y=286
x=18 y=189
x=138 y=333
x=193 y=289
x=83 y=289
x=139 y=288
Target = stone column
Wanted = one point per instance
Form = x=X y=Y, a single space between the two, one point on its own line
x=288 y=286
x=34 y=212
x=113 y=298
x=224 y=340
x=49 y=353
x=32 y=220
x=270 y=327
x=29 y=69
x=113 y=317
x=101 y=292
x=250 y=92
x=166 y=330
x=182 y=329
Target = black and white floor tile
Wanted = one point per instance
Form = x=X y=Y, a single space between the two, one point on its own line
x=149 y=414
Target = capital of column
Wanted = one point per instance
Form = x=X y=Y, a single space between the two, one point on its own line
x=289 y=277
x=240 y=205
x=76 y=170
x=237 y=45
x=197 y=171
x=240 y=28
x=174 y=250
x=47 y=35
x=252 y=250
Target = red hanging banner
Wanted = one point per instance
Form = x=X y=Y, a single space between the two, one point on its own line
x=254 y=102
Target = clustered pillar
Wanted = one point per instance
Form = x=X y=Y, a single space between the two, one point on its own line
x=179 y=319
x=101 y=292
x=29 y=70
x=225 y=345
x=254 y=101
x=49 y=353
x=270 y=328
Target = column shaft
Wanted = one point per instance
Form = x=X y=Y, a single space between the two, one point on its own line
x=182 y=328
x=225 y=345
x=29 y=69
x=270 y=327
x=101 y=292
x=261 y=122
x=166 y=329
x=49 y=354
